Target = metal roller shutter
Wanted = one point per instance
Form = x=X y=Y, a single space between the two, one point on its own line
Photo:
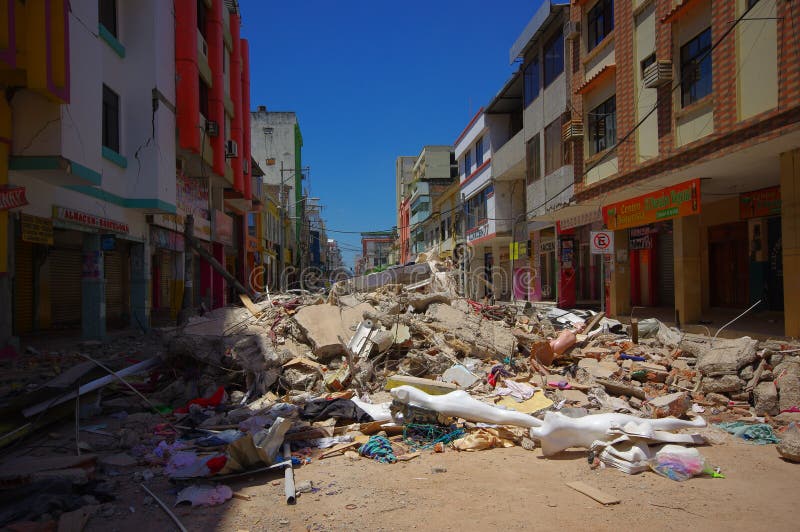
x=65 y=286
x=115 y=295
x=23 y=287
x=666 y=268
x=166 y=278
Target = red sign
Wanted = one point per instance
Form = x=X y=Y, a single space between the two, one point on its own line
x=760 y=203
x=90 y=220
x=12 y=197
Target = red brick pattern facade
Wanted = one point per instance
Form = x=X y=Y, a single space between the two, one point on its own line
x=729 y=133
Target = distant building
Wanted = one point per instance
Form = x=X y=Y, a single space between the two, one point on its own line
x=376 y=248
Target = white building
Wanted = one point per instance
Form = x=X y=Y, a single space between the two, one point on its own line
x=93 y=169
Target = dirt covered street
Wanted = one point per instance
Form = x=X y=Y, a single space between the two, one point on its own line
x=507 y=489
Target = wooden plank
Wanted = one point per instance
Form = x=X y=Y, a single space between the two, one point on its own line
x=592 y=323
x=249 y=305
x=338 y=448
x=592 y=492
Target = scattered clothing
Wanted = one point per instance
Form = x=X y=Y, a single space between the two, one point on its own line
x=760 y=433
x=322 y=409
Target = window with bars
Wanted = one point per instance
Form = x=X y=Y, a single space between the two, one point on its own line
x=603 y=126
x=479 y=152
x=467 y=163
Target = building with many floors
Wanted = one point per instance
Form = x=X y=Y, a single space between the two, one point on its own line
x=134 y=118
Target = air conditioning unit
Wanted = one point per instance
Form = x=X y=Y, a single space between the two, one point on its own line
x=231 y=149
x=572 y=129
x=212 y=128
x=657 y=74
x=572 y=29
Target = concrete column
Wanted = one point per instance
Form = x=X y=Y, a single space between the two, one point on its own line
x=688 y=269
x=790 y=240
x=140 y=286
x=93 y=289
x=618 y=271
x=179 y=265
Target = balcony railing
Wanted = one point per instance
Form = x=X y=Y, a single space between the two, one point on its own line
x=508 y=163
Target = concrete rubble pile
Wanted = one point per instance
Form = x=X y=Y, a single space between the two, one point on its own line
x=401 y=369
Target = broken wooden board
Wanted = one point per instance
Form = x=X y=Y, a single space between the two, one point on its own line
x=594 y=493
x=338 y=448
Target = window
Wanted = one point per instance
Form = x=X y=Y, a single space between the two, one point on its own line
x=467 y=163
x=600 y=22
x=646 y=62
x=553 y=147
x=553 y=58
x=204 y=98
x=751 y=3
x=201 y=17
x=479 y=152
x=108 y=15
x=530 y=80
x=476 y=208
x=696 y=68
x=251 y=224
x=533 y=157
x=110 y=119
x=603 y=126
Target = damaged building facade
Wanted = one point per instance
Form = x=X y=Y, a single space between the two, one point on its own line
x=672 y=126
x=135 y=128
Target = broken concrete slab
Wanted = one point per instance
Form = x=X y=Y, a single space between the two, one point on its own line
x=421 y=302
x=324 y=325
x=674 y=404
x=723 y=384
x=765 y=399
x=726 y=357
x=470 y=334
x=788 y=382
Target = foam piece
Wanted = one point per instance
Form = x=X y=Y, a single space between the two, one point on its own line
x=460 y=404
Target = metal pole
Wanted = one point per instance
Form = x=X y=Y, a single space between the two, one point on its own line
x=603 y=282
x=281 y=229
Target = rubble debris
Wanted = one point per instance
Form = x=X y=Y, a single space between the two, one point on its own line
x=426 y=385
x=789 y=446
x=324 y=325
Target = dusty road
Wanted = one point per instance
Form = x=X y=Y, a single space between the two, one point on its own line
x=508 y=489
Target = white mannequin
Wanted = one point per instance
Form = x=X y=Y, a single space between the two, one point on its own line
x=559 y=432
x=460 y=404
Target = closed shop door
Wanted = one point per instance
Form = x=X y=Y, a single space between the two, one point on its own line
x=65 y=286
x=166 y=278
x=23 y=287
x=665 y=268
x=115 y=287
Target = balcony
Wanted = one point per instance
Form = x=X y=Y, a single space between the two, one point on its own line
x=508 y=163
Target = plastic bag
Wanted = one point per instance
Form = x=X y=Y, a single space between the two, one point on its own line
x=679 y=463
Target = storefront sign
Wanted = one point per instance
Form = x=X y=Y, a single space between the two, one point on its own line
x=567 y=252
x=223 y=228
x=640 y=237
x=37 y=230
x=479 y=232
x=580 y=219
x=667 y=203
x=166 y=239
x=12 y=197
x=108 y=242
x=89 y=220
x=760 y=203
x=547 y=245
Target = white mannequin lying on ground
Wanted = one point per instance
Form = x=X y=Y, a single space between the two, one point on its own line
x=556 y=433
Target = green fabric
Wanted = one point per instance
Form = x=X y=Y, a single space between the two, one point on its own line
x=760 y=433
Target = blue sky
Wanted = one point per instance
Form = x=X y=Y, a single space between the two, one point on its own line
x=371 y=80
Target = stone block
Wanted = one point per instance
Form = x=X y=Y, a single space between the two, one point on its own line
x=323 y=325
